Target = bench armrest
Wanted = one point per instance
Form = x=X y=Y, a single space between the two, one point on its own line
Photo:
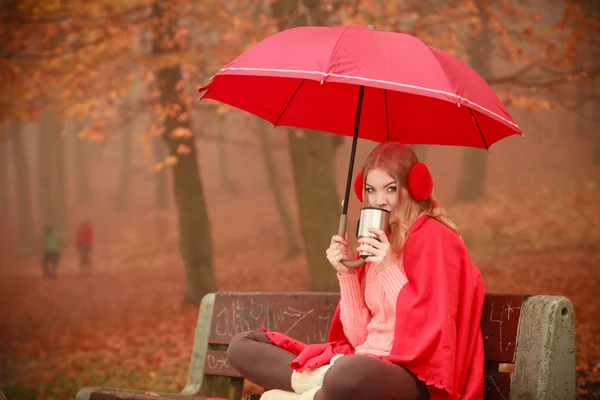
x=545 y=358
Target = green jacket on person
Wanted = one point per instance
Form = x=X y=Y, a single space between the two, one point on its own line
x=52 y=242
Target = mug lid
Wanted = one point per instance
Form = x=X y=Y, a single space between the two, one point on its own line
x=375 y=208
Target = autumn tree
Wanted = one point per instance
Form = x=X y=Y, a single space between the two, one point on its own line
x=311 y=152
x=474 y=165
x=92 y=66
x=583 y=18
x=3 y=173
x=159 y=153
x=81 y=162
x=312 y=155
x=283 y=209
x=24 y=208
x=127 y=135
x=541 y=53
x=194 y=230
x=52 y=172
x=11 y=82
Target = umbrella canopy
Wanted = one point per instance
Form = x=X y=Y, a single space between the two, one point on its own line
x=352 y=80
x=310 y=77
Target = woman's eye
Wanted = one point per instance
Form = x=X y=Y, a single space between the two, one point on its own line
x=392 y=189
x=370 y=190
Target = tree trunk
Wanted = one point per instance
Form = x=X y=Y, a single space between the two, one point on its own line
x=195 y=241
x=474 y=164
x=318 y=203
x=83 y=189
x=596 y=132
x=162 y=200
x=21 y=165
x=226 y=183
x=60 y=177
x=125 y=173
x=44 y=156
x=595 y=125
x=53 y=190
x=4 y=208
x=313 y=167
x=293 y=244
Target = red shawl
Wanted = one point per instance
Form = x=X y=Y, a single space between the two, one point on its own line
x=438 y=317
x=438 y=314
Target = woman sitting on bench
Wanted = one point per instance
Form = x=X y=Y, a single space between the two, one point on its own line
x=408 y=322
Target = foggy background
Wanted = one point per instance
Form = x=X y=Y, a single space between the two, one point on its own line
x=99 y=121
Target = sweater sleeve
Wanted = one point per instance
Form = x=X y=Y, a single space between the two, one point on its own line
x=354 y=313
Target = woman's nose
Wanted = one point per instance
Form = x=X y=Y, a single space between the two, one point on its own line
x=381 y=200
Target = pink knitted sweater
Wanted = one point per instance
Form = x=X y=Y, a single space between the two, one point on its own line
x=368 y=309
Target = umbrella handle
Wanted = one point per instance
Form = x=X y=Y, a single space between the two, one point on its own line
x=341 y=231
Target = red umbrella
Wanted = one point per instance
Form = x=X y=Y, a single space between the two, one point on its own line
x=356 y=81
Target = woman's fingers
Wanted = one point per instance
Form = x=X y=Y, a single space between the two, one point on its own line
x=336 y=246
x=380 y=234
x=371 y=242
x=335 y=255
x=334 y=252
x=337 y=251
x=338 y=239
x=370 y=249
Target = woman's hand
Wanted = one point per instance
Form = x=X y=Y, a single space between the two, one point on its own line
x=380 y=250
x=338 y=251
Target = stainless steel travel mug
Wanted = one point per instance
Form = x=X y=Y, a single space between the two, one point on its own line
x=372 y=217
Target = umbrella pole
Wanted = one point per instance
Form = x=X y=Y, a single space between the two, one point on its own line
x=344 y=216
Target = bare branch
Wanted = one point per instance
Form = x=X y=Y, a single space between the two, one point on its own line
x=577 y=104
x=544 y=82
x=65 y=16
x=513 y=77
x=74 y=48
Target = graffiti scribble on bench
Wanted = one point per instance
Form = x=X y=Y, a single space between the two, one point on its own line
x=499 y=326
x=307 y=321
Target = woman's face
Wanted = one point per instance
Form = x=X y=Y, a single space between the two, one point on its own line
x=382 y=190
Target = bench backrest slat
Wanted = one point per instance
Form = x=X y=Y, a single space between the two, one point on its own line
x=304 y=317
x=307 y=317
x=217 y=364
x=499 y=325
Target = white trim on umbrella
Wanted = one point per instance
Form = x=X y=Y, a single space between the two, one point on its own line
x=360 y=78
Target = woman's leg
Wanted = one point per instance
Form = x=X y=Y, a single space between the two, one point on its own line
x=360 y=377
x=260 y=361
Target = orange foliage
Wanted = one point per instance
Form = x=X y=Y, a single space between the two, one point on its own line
x=82 y=56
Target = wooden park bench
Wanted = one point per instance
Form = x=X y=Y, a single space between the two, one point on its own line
x=529 y=343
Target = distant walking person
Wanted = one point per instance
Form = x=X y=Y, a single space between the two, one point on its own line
x=52 y=245
x=85 y=242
